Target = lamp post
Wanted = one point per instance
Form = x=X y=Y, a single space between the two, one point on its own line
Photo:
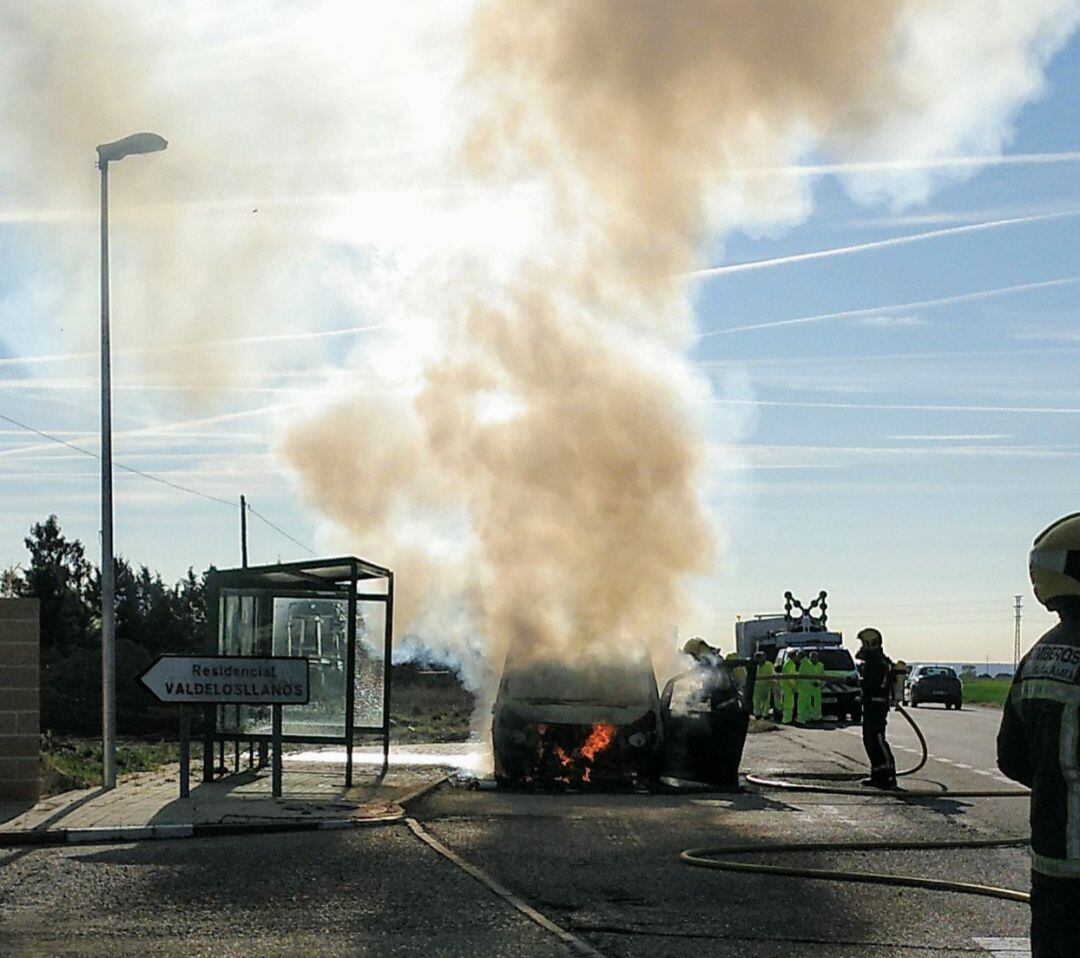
x=108 y=153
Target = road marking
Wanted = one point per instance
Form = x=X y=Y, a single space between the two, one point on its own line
x=945 y=761
x=575 y=944
x=1005 y=947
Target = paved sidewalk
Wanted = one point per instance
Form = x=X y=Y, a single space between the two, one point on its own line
x=147 y=805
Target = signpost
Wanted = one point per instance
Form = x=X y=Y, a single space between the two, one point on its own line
x=228 y=680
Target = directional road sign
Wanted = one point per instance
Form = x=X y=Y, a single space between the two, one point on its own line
x=228 y=680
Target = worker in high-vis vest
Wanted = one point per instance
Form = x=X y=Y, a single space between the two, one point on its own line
x=1038 y=743
x=763 y=686
x=787 y=690
x=805 y=708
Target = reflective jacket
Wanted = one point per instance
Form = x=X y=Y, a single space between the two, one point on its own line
x=1038 y=745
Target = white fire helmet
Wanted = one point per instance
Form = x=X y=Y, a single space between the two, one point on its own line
x=1054 y=562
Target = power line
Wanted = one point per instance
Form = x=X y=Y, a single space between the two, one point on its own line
x=165 y=482
x=278 y=529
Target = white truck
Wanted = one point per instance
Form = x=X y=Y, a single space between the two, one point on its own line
x=804 y=627
x=798 y=626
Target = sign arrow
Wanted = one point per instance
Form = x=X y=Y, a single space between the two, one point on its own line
x=228 y=680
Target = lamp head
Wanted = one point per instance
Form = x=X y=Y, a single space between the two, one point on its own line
x=136 y=143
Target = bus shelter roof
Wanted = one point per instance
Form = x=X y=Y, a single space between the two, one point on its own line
x=313 y=574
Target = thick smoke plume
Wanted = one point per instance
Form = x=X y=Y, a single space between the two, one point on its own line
x=557 y=411
x=518 y=190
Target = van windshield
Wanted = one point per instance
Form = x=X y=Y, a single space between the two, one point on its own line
x=836 y=660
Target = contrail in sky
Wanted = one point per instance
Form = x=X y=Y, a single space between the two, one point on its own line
x=878 y=244
x=188 y=347
x=896 y=307
x=905 y=166
x=168 y=428
x=927 y=407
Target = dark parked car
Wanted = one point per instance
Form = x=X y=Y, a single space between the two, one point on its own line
x=840 y=696
x=592 y=722
x=934 y=683
x=705 y=726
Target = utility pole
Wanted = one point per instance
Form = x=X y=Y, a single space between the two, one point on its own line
x=243 y=532
x=1016 y=634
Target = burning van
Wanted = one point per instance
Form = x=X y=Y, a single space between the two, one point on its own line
x=582 y=724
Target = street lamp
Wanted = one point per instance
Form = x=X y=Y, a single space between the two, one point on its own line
x=108 y=153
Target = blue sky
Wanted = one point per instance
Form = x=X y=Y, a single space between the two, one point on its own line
x=913 y=453
x=901 y=458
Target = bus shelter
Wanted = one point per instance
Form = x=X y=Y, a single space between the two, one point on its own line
x=336 y=613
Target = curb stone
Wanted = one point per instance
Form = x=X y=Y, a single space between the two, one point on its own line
x=137 y=833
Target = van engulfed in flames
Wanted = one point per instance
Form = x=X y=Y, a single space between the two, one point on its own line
x=559 y=726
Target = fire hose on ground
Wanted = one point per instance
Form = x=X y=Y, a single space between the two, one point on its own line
x=715 y=857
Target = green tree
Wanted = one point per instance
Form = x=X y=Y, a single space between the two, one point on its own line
x=61 y=578
x=12 y=582
x=188 y=605
x=151 y=617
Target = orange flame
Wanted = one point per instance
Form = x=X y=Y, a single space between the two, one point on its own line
x=599 y=739
x=580 y=759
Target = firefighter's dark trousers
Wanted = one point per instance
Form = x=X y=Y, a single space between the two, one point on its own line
x=1055 y=903
x=882 y=763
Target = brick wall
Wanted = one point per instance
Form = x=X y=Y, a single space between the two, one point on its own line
x=20 y=777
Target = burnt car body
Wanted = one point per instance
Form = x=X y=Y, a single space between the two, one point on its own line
x=705 y=722
x=591 y=723
x=934 y=683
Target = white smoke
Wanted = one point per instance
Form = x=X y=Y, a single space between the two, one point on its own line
x=517 y=189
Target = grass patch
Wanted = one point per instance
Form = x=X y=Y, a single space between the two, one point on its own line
x=70 y=762
x=986 y=691
x=429 y=706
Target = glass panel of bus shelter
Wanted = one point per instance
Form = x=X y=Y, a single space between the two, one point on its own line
x=370 y=642
x=244 y=628
x=315 y=629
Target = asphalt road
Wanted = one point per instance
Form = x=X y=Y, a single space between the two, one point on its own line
x=603 y=866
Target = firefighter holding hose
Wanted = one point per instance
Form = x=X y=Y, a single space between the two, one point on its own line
x=1038 y=743
x=876 y=682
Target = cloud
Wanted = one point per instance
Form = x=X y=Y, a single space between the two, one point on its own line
x=1049 y=335
x=962 y=437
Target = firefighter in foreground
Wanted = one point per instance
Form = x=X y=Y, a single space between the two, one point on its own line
x=876 y=682
x=1039 y=741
